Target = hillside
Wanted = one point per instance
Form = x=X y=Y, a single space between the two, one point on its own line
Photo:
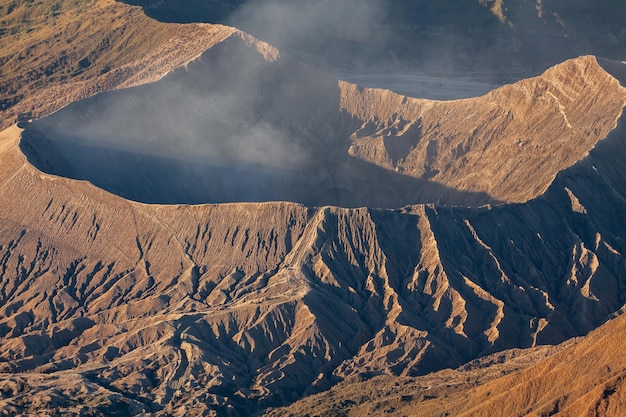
x=584 y=377
x=53 y=53
x=242 y=124
x=228 y=309
x=225 y=230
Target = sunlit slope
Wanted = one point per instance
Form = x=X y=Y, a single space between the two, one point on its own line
x=585 y=377
x=55 y=52
x=508 y=144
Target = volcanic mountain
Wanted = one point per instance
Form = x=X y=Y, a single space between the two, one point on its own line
x=241 y=123
x=475 y=226
x=236 y=230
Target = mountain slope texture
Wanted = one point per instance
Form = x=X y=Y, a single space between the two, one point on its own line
x=585 y=378
x=55 y=52
x=237 y=231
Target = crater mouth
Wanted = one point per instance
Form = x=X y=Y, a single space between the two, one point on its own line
x=230 y=127
x=177 y=178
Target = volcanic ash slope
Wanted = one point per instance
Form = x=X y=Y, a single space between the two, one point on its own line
x=581 y=377
x=54 y=53
x=227 y=309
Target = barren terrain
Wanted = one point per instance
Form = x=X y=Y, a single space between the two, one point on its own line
x=237 y=231
x=583 y=377
x=236 y=307
x=242 y=124
x=54 y=53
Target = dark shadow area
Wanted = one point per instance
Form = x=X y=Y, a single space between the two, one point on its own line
x=189 y=11
x=230 y=127
x=616 y=68
x=193 y=180
x=448 y=36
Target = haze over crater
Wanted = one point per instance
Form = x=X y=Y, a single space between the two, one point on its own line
x=242 y=123
x=238 y=124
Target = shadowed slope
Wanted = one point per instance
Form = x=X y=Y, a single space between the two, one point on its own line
x=444 y=35
x=585 y=377
x=241 y=123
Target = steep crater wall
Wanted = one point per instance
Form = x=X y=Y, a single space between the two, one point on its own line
x=232 y=126
x=243 y=124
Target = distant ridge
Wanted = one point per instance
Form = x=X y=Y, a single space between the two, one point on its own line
x=484 y=36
